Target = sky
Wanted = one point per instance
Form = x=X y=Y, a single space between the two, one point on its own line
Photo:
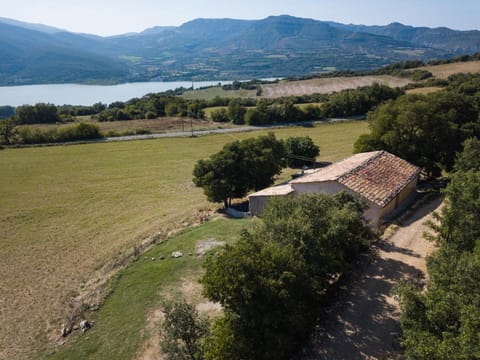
x=113 y=17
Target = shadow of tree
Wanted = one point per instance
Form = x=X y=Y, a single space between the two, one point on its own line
x=360 y=316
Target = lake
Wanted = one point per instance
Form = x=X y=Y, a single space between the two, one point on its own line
x=77 y=94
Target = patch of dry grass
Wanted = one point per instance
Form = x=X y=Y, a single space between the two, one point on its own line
x=424 y=90
x=159 y=125
x=67 y=213
x=328 y=85
x=445 y=70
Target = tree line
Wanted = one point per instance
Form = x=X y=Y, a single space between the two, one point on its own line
x=443 y=322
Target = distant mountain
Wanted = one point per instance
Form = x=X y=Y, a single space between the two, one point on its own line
x=37 y=27
x=32 y=56
x=456 y=42
x=277 y=46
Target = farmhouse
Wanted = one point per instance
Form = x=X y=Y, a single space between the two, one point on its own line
x=382 y=180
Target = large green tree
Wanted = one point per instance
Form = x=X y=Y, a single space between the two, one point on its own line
x=426 y=130
x=298 y=147
x=270 y=281
x=239 y=167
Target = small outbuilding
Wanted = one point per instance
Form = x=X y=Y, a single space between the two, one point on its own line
x=382 y=180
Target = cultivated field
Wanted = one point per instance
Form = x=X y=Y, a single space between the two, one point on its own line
x=300 y=87
x=328 y=85
x=69 y=213
x=445 y=70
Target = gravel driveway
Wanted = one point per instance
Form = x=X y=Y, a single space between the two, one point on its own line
x=362 y=319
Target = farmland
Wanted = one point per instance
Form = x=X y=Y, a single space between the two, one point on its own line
x=70 y=213
x=445 y=70
x=300 y=87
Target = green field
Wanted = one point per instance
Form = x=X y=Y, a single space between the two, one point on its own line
x=68 y=213
x=119 y=325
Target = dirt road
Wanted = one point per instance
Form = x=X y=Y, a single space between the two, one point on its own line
x=362 y=319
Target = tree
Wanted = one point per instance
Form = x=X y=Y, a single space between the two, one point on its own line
x=300 y=146
x=219 y=115
x=39 y=113
x=426 y=130
x=183 y=330
x=270 y=281
x=459 y=219
x=239 y=167
x=469 y=158
x=236 y=111
x=8 y=131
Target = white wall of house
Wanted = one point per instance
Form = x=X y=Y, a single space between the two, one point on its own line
x=257 y=204
x=373 y=214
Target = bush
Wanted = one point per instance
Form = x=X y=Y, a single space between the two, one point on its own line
x=81 y=131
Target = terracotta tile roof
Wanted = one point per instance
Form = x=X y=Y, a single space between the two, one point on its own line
x=274 y=191
x=377 y=176
x=336 y=170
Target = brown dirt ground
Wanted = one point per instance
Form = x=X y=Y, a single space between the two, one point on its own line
x=362 y=320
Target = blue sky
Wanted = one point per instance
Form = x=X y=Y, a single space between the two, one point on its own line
x=110 y=17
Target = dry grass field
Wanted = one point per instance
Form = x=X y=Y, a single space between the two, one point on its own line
x=424 y=90
x=159 y=125
x=445 y=70
x=69 y=213
x=328 y=85
x=301 y=87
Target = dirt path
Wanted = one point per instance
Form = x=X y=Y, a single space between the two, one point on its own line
x=362 y=321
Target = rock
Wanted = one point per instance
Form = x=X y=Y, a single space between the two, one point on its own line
x=153 y=259
x=85 y=325
x=176 y=254
x=190 y=254
x=162 y=257
x=65 y=330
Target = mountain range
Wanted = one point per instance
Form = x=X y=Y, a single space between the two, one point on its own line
x=210 y=49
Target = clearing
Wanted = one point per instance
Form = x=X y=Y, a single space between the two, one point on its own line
x=362 y=320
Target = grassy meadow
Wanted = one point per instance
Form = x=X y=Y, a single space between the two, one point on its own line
x=125 y=327
x=68 y=213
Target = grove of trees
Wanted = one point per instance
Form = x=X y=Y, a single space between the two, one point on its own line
x=426 y=130
x=270 y=282
x=239 y=167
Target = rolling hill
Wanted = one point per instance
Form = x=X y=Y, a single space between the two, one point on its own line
x=278 y=46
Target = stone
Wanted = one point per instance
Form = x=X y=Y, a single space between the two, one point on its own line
x=176 y=254
x=65 y=330
x=85 y=325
